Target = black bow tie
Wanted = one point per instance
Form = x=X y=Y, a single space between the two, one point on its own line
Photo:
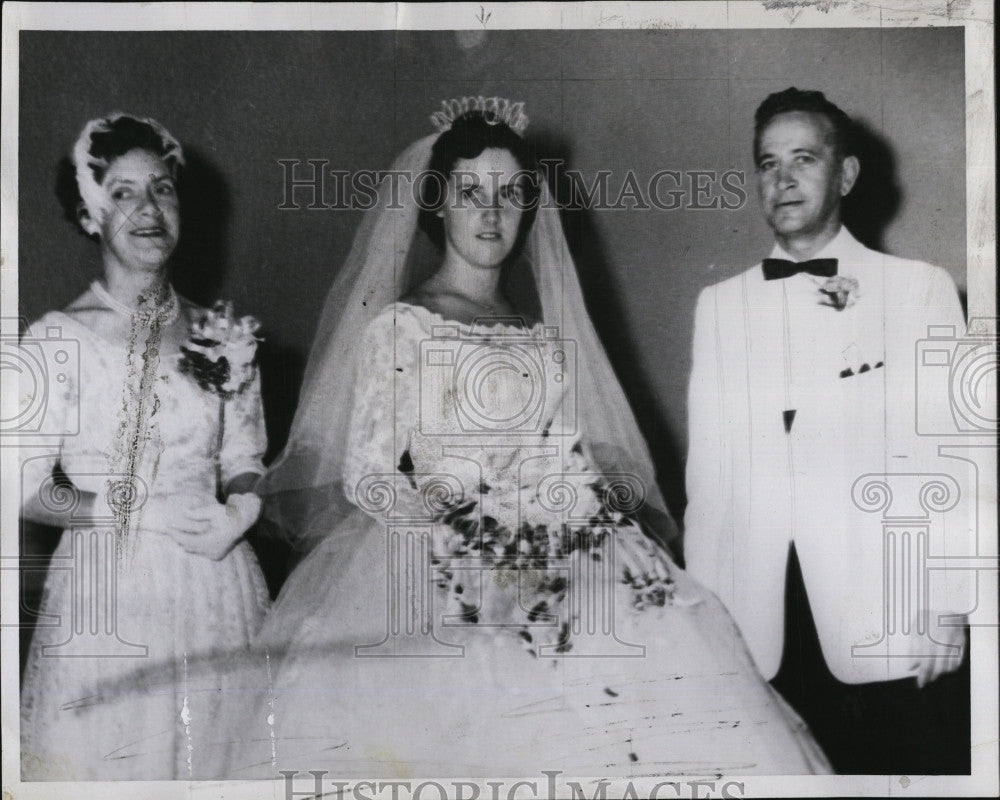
x=777 y=268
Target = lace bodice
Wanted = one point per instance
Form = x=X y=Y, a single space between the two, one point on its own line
x=91 y=417
x=488 y=405
x=474 y=428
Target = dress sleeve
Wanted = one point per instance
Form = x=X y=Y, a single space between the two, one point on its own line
x=48 y=409
x=383 y=420
x=244 y=439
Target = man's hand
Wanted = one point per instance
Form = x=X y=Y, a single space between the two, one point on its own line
x=932 y=656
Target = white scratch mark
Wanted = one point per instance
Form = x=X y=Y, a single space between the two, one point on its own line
x=270 y=716
x=186 y=719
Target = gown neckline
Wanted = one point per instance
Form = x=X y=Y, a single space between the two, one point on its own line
x=440 y=319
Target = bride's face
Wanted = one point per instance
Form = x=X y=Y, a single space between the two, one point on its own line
x=482 y=211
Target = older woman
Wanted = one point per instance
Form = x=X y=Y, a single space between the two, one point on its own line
x=149 y=473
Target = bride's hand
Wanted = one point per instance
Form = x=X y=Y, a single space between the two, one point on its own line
x=642 y=556
x=214 y=529
x=646 y=559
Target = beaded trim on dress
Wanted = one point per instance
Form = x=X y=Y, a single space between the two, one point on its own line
x=167 y=312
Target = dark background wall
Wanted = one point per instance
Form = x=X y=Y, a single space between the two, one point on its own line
x=601 y=100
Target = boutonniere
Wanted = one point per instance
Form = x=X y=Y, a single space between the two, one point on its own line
x=840 y=292
x=221 y=351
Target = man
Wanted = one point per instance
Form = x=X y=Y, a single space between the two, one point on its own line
x=803 y=382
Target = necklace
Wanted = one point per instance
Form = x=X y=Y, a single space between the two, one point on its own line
x=467 y=299
x=167 y=311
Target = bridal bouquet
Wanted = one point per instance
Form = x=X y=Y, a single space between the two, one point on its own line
x=525 y=538
x=221 y=351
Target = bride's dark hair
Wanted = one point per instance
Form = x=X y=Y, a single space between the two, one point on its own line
x=469 y=135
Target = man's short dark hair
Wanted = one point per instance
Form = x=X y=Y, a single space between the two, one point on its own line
x=793 y=99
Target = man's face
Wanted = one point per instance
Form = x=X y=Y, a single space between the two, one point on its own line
x=800 y=178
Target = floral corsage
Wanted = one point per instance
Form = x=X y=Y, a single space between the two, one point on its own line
x=221 y=351
x=840 y=292
x=220 y=354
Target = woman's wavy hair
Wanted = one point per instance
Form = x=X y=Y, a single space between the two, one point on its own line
x=124 y=135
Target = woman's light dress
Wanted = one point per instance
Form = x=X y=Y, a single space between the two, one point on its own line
x=126 y=669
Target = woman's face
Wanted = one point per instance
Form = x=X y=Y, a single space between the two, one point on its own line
x=482 y=212
x=140 y=221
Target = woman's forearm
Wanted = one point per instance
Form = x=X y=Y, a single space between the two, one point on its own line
x=242 y=483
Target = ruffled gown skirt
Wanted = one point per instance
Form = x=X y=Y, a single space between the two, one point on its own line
x=348 y=682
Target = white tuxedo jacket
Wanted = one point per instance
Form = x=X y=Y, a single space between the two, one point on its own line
x=765 y=347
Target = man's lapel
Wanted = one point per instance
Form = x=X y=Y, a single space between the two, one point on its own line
x=761 y=325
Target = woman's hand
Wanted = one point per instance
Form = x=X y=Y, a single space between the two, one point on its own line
x=210 y=530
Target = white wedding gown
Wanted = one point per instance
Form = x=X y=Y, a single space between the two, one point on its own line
x=405 y=645
x=130 y=687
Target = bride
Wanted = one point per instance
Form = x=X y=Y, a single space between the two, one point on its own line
x=486 y=594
